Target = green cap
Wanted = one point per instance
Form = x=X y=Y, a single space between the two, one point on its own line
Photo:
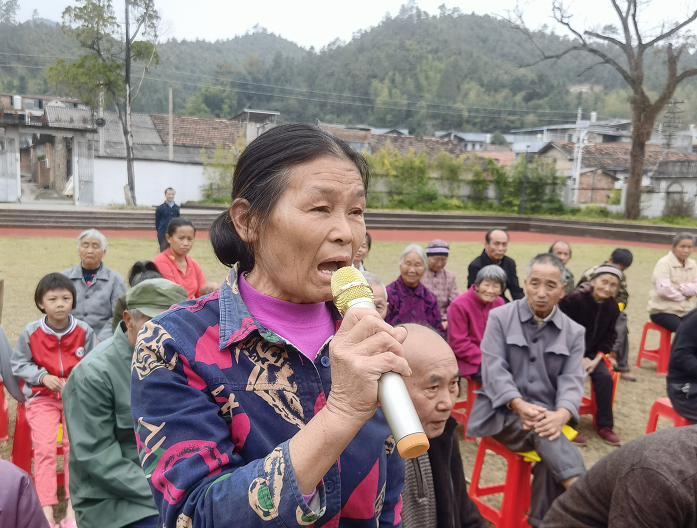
x=154 y=296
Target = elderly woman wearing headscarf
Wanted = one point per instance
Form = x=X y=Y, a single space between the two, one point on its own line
x=97 y=286
x=438 y=279
x=593 y=306
x=409 y=300
x=468 y=315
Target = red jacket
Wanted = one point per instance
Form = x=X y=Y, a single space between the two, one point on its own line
x=40 y=351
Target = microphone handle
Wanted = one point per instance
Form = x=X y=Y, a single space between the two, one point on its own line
x=397 y=407
x=401 y=416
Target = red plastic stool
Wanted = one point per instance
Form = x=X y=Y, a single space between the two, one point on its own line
x=22 y=449
x=516 y=488
x=663 y=407
x=589 y=405
x=4 y=416
x=659 y=355
x=462 y=409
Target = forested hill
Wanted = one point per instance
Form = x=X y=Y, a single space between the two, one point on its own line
x=416 y=70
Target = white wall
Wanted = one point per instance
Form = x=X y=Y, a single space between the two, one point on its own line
x=151 y=180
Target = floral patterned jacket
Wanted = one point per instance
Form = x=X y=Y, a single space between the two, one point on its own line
x=216 y=397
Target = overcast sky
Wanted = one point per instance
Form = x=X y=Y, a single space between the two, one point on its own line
x=318 y=22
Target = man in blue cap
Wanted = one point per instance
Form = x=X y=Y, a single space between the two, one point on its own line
x=107 y=485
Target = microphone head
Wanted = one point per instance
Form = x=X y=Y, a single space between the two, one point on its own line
x=349 y=287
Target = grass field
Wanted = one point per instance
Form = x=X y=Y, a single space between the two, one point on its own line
x=25 y=260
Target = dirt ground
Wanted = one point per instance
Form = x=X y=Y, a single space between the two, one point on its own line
x=25 y=260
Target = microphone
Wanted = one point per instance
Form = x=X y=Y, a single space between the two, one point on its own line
x=351 y=290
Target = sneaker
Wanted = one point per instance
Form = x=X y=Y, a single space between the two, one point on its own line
x=580 y=440
x=626 y=376
x=608 y=435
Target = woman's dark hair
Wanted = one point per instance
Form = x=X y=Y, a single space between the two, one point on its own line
x=368 y=240
x=51 y=282
x=262 y=174
x=176 y=223
x=143 y=270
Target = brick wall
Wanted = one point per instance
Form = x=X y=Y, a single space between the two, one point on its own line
x=595 y=187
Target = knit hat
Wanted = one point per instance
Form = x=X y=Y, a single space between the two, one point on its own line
x=607 y=268
x=437 y=247
x=154 y=296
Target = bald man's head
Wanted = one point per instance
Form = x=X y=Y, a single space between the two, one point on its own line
x=433 y=385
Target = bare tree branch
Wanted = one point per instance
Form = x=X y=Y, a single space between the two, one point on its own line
x=671 y=32
x=635 y=23
x=611 y=40
x=601 y=63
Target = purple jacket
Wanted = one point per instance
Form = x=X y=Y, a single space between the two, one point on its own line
x=19 y=504
x=412 y=305
x=467 y=316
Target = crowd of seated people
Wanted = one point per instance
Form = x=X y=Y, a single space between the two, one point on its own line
x=187 y=403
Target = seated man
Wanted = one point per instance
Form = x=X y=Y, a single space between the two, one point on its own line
x=532 y=382
x=495 y=247
x=435 y=492
x=682 y=369
x=650 y=482
x=622 y=258
x=107 y=484
x=379 y=292
x=562 y=250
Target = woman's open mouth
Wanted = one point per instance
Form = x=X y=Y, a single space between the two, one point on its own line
x=328 y=267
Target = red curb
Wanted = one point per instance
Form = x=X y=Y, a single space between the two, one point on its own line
x=380 y=235
x=34 y=232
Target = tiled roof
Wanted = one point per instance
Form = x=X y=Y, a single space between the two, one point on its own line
x=155 y=153
x=144 y=132
x=430 y=145
x=615 y=156
x=197 y=131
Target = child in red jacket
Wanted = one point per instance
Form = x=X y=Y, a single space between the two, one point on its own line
x=45 y=353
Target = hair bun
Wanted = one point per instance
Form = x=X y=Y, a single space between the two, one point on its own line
x=228 y=247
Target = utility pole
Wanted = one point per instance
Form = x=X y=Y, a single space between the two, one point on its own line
x=525 y=180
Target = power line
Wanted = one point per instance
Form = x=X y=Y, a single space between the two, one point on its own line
x=309 y=91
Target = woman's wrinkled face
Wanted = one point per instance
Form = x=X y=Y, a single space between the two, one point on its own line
x=90 y=253
x=604 y=287
x=683 y=249
x=316 y=227
x=437 y=263
x=488 y=290
x=362 y=253
x=181 y=242
x=412 y=269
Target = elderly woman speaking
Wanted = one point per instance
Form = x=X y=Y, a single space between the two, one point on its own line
x=255 y=405
x=409 y=300
x=97 y=286
x=467 y=316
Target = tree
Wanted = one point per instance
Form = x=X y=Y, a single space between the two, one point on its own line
x=624 y=49
x=211 y=101
x=8 y=11
x=105 y=70
x=498 y=139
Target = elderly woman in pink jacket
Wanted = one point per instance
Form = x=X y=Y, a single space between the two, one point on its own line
x=467 y=316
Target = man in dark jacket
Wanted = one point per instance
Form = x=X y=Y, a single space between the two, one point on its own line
x=435 y=492
x=682 y=369
x=163 y=214
x=495 y=247
x=650 y=482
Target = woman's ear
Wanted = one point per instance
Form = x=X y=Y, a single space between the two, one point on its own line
x=240 y=216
